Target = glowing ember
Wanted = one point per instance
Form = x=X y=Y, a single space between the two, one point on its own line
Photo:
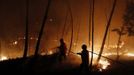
x=47 y=53
x=50 y=52
x=3 y=58
x=15 y=42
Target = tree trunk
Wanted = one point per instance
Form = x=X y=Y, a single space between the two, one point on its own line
x=72 y=31
x=42 y=29
x=26 y=32
x=92 y=19
x=107 y=27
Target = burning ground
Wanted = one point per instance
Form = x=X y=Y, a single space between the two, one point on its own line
x=49 y=64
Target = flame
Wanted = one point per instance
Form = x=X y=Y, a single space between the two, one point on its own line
x=47 y=53
x=50 y=52
x=130 y=54
x=108 y=54
x=15 y=42
x=104 y=64
x=3 y=58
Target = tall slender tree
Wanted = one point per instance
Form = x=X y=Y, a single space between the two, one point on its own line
x=92 y=25
x=72 y=29
x=106 y=31
x=77 y=33
x=42 y=29
x=64 y=26
x=26 y=30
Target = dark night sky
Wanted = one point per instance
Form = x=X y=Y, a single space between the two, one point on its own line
x=12 y=18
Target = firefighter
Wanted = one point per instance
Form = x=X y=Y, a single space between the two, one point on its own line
x=62 y=50
x=84 y=66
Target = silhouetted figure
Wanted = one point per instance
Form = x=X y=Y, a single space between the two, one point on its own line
x=62 y=50
x=84 y=66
